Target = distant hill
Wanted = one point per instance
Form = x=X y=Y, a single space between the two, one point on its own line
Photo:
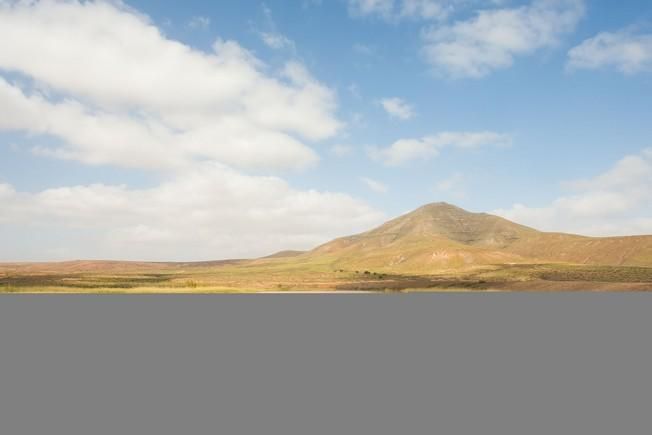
x=443 y=236
x=107 y=266
x=286 y=254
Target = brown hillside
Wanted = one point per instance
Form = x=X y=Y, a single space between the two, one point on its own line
x=436 y=236
x=441 y=236
x=608 y=251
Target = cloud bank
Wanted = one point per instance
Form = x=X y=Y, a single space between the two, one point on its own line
x=616 y=202
x=99 y=63
x=111 y=88
x=215 y=212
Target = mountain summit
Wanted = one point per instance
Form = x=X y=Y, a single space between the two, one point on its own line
x=445 y=220
x=442 y=236
x=437 y=235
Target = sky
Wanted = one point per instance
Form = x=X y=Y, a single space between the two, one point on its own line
x=200 y=130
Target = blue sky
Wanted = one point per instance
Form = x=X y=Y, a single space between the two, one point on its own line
x=200 y=130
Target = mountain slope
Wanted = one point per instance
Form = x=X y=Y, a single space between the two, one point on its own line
x=441 y=236
x=456 y=224
x=435 y=236
x=568 y=248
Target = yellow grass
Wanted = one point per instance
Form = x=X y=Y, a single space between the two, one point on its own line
x=324 y=274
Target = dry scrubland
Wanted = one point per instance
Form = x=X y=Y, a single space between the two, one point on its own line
x=438 y=247
x=280 y=275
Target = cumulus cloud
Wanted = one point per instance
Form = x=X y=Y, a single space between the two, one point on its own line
x=405 y=150
x=626 y=51
x=492 y=38
x=100 y=137
x=617 y=202
x=374 y=185
x=214 y=212
x=112 y=89
x=113 y=64
x=397 y=108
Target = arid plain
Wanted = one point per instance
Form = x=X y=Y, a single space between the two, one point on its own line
x=438 y=247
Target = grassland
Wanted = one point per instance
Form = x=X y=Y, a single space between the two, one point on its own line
x=309 y=274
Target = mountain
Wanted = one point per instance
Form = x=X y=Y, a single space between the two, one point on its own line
x=442 y=236
x=446 y=220
x=438 y=246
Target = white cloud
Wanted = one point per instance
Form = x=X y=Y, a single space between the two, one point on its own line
x=199 y=22
x=113 y=90
x=626 y=51
x=494 y=37
x=271 y=36
x=214 y=212
x=277 y=41
x=374 y=185
x=394 y=10
x=6 y=191
x=617 y=202
x=397 y=108
x=405 y=150
x=99 y=137
x=106 y=65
